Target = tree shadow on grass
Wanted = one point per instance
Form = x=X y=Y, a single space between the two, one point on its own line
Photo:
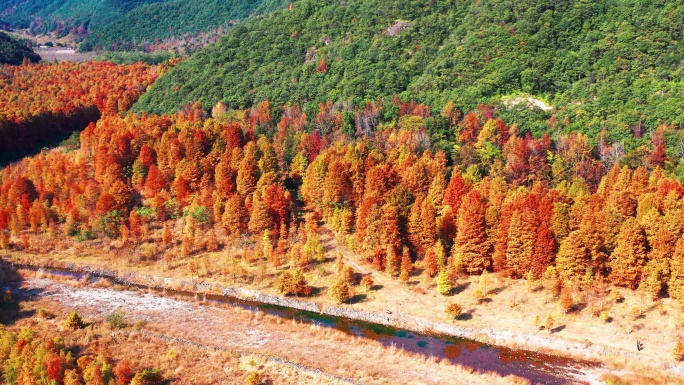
x=460 y=288
x=357 y=298
x=496 y=291
x=652 y=307
x=11 y=294
x=327 y=259
x=316 y=291
x=578 y=307
x=464 y=317
x=11 y=313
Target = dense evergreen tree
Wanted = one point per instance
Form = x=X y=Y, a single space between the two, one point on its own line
x=15 y=52
x=471 y=246
x=629 y=257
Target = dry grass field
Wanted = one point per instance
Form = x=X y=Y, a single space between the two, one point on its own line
x=63 y=54
x=180 y=363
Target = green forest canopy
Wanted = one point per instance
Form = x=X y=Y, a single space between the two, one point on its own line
x=42 y=16
x=14 y=51
x=158 y=21
x=609 y=65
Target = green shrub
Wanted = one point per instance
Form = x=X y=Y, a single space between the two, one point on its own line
x=443 y=282
x=117 y=319
x=148 y=377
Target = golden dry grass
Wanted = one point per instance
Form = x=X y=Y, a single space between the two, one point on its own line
x=644 y=377
x=186 y=364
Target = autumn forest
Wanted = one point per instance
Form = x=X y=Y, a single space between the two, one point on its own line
x=293 y=208
x=505 y=202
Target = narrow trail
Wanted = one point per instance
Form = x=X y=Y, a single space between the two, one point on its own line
x=330 y=243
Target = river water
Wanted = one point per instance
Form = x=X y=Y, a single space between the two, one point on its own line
x=536 y=367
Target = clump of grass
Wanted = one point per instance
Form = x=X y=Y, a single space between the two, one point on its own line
x=102 y=283
x=117 y=319
x=148 y=377
x=454 y=310
x=43 y=314
x=678 y=351
x=605 y=316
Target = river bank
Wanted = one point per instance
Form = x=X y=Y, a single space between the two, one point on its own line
x=315 y=349
x=538 y=368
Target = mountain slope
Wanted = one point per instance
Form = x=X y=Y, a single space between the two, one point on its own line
x=61 y=16
x=610 y=65
x=277 y=56
x=613 y=64
x=13 y=51
x=149 y=23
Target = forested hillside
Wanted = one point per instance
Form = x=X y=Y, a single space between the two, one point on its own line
x=14 y=52
x=614 y=66
x=316 y=51
x=64 y=17
x=155 y=26
x=149 y=25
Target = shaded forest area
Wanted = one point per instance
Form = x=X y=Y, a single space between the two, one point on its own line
x=63 y=17
x=15 y=52
x=43 y=104
x=180 y=25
